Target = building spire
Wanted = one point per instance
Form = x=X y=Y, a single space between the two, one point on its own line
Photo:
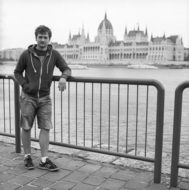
x=88 y=39
x=125 y=30
x=146 y=33
x=70 y=36
x=164 y=36
x=151 y=38
x=83 y=30
x=105 y=17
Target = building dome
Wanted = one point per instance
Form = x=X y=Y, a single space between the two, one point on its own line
x=105 y=22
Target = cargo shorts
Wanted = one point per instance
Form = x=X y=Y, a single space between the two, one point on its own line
x=35 y=107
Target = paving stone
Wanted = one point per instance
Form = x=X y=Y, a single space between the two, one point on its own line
x=16 y=170
x=82 y=186
x=105 y=171
x=69 y=164
x=89 y=168
x=124 y=175
x=30 y=187
x=9 y=186
x=136 y=185
x=144 y=177
x=62 y=185
x=3 y=168
x=94 y=180
x=184 y=185
x=41 y=183
x=20 y=180
x=113 y=184
x=52 y=176
x=13 y=163
x=76 y=176
x=4 y=177
x=35 y=173
x=155 y=187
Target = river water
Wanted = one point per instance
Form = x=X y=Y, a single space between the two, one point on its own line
x=169 y=78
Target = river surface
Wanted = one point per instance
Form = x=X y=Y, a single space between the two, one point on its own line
x=169 y=78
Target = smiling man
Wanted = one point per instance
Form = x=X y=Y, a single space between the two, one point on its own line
x=38 y=63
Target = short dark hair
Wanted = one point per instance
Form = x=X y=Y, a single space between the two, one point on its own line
x=43 y=29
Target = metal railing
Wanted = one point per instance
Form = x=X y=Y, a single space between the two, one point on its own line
x=176 y=164
x=119 y=117
x=9 y=97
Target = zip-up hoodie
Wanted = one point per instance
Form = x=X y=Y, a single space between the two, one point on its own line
x=38 y=75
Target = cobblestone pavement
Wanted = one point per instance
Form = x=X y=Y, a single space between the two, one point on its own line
x=75 y=174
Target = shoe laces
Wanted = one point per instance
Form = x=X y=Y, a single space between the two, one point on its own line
x=48 y=161
x=29 y=159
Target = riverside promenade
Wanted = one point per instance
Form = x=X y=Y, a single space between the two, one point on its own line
x=76 y=173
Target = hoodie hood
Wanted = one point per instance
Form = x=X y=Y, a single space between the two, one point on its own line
x=31 y=48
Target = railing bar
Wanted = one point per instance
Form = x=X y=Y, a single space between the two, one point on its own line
x=4 y=104
x=84 y=114
x=9 y=109
x=146 y=124
x=136 y=135
x=109 y=117
x=100 y=115
x=54 y=113
x=184 y=166
x=92 y=115
x=127 y=119
x=61 y=116
x=69 y=112
x=76 y=96
x=112 y=153
x=35 y=127
x=118 y=117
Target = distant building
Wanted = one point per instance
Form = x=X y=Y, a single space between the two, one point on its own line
x=11 y=54
x=134 y=48
x=186 y=54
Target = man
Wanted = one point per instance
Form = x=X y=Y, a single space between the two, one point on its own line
x=38 y=62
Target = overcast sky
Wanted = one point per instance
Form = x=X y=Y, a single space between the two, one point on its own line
x=19 y=18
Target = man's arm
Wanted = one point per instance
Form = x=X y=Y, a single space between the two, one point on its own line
x=66 y=71
x=20 y=67
x=63 y=67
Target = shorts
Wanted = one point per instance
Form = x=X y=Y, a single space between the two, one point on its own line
x=34 y=107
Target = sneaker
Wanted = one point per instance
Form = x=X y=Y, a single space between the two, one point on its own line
x=48 y=165
x=28 y=163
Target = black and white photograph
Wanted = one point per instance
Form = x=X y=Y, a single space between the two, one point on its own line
x=94 y=95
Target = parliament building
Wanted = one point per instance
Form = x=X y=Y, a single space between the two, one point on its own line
x=136 y=47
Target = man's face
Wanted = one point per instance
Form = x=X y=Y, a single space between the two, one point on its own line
x=42 y=40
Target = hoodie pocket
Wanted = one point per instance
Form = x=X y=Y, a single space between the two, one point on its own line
x=30 y=88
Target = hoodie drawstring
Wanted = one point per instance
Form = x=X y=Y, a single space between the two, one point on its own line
x=32 y=63
x=49 y=62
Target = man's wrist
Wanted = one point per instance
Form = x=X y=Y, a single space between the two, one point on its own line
x=62 y=79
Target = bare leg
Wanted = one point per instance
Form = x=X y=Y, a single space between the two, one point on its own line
x=44 y=142
x=26 y=141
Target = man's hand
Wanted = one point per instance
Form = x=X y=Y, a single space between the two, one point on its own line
x=62 y=84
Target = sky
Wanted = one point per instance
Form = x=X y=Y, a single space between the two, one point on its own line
x=19 y=18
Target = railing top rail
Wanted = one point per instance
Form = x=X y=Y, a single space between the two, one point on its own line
x=151 y=82
x=180 y=88
x=7 y=76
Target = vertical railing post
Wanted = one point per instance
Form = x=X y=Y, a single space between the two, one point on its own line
x=176 y=137
x=17 y=117
x=159 y=135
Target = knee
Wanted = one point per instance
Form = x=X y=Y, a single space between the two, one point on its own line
x=45 y=130
x=26 y=130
